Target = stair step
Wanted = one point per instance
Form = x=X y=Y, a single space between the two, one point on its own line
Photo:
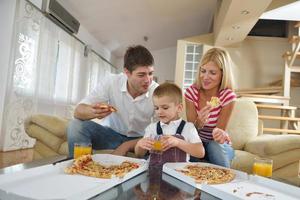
x=279 y=130
x=295 y=69
x=261 y=90
x=266 y=98
x=294 y=39
x=270 y=106
x=289 y=54
x=278 y=118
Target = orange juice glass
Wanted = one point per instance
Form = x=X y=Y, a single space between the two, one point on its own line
x=263 y=167
x=157 y=146
x=82 y=149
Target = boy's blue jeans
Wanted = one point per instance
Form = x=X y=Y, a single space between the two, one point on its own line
x=101 y=137
x=218 y=154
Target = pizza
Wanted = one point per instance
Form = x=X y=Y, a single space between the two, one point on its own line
x=85 y=165
x=110 y=107
x=207 y=174
x=214 y=102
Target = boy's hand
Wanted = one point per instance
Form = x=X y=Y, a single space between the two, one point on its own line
x=220 y=136
x=169 y=141
x=145 y=143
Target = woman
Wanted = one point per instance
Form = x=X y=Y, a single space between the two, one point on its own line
x=214 y=79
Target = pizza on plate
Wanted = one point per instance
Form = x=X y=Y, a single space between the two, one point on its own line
x=85 y=165
x=207 y=174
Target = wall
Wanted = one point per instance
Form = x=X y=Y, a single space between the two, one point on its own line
x=165 y=62
x=7 y=10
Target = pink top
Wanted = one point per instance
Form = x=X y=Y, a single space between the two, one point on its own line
x=226 y=96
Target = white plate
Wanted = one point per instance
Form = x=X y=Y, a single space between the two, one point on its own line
x=50 y=181
x=243 y=187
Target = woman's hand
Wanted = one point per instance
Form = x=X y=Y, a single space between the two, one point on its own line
x=220 y=136
x=169 y=141
x=202 y=116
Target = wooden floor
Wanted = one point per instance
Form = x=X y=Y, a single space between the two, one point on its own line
x=15 y=157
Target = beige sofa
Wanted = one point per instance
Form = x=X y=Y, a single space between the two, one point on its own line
x=244 y=128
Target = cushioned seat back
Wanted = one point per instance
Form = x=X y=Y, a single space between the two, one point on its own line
x=243 y=123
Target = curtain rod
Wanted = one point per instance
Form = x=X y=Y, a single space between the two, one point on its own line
x=47 y=16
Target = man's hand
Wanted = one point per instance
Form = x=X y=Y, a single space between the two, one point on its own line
x=220 y=136
x=101 y=110
x=169 y=141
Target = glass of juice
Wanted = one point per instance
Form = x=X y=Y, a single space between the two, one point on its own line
x=263 y=167
x=82 y=149
x=157 y=146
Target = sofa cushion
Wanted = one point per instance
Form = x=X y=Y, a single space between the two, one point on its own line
x=285 y=158
x=243 y=161
x=288 y=171
x=243 y=123
x=44 y=150
x=44 y=136
x=55 y=125
x=267 y=144
x=64 y=149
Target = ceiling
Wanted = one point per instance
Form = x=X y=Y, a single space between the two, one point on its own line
x=158 y=24
x=118 y=24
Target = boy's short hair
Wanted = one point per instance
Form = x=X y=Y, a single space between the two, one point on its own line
x=136 y=56
x=170 y=90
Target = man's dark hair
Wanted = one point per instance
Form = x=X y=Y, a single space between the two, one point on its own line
x=136 y=56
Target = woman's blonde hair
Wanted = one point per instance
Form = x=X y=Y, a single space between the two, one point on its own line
x=222 y=59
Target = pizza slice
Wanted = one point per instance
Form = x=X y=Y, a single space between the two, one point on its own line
x=214 y=102
x=110 y=107
x=85 y=165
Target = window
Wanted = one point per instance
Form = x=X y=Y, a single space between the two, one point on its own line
x=193 y=53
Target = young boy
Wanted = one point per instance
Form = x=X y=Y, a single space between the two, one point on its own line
x=175 y=132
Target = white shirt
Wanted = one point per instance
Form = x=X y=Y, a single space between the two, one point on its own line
x=189 y=132
x=132 y=115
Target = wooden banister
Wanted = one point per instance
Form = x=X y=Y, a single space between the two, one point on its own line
x=278 y=118
x=269 y=106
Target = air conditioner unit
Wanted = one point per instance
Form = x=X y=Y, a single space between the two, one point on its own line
x=60 y=16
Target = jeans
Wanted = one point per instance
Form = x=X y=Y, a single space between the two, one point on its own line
x=218 y=154
x=101 y=137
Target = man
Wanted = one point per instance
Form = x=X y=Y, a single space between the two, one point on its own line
x=123 y=102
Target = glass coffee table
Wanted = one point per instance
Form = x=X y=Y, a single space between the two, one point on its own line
x=151 y=184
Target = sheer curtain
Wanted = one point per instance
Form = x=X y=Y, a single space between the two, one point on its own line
x=48 y=74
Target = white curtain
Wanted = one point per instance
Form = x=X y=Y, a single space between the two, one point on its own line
x=98 y=69
x=48 y=74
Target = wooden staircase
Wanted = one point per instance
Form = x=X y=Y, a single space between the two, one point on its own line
x=289 y=123
x=265 y=99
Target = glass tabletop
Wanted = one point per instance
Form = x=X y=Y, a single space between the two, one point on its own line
x=154 y=184
x=151 y=184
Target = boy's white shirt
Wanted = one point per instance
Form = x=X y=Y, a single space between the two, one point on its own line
x=189 y=131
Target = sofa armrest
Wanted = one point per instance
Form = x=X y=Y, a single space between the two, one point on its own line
x=267 y=144
x=53 y=124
